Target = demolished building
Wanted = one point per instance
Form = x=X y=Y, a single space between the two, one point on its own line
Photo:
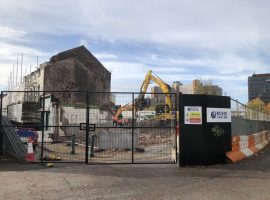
x=65 y=80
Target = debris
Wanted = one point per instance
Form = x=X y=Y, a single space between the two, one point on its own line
x=49 y=164
x=51 y=157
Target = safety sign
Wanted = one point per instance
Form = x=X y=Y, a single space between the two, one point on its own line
x=193 y=115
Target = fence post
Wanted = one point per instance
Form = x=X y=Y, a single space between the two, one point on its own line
x=1 y=135
x=246 y=113
x=87 y=128
x=132 y=139
x=72 y=143
x=176 y=123
x=180 y=105
x=42 y=125
x=92 y=155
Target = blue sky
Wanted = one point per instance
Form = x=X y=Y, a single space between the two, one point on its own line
x=180 y=40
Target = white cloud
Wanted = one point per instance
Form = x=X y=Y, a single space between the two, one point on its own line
x=83 y=42
x=9 y=32
x=128 y=77
x=222 y=39
x=8 y=56
x=222 y=25
x=230 y=64
x=126 y=70
x=105 y=55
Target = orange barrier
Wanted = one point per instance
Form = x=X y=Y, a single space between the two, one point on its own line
x=247 y=145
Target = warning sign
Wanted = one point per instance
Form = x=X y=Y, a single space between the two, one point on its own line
x=193 y=115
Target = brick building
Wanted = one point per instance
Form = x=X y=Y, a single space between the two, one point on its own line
x=72 y=70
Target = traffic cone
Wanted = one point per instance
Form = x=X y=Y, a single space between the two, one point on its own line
x=30 y=156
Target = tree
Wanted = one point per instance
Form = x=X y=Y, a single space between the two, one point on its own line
x=258 y=104
x=268 y=108
x=207 y=87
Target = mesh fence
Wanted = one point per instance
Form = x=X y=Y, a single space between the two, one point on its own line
x=93 y=127
x=243 y=111
x=246 y=120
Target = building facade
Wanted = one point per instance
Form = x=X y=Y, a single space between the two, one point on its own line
x=176 y=86
x=157 y=95
x=259 y=87
x=65 y=80
x=186 y=89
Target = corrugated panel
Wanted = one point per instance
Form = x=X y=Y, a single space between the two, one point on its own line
x=12 y=144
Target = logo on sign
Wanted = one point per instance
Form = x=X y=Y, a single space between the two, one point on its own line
x=213 y=114
x=193 y=109
x=219 y=115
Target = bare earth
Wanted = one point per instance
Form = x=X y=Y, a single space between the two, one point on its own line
x=249 y=179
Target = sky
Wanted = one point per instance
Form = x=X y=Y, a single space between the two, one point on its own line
x=179 y=40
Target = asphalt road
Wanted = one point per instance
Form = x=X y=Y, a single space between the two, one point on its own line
x=249 y=179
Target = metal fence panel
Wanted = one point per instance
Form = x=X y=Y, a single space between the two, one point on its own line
x=94 y=127
x=246 y=120
x=130 y=133
x=155 y=145
x=55 y=118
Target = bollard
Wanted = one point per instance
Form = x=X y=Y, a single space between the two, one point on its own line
x=73 y=144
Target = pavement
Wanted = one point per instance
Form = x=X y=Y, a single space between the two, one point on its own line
x=248 y=179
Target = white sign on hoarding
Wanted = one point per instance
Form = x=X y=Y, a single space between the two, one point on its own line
x=218 y=114
x=193 y=115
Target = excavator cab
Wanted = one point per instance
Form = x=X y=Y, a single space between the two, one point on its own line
x=162 y=108
x=141 y=103
x=163 y=114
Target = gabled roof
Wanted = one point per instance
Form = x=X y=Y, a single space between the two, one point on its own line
x=80 y=53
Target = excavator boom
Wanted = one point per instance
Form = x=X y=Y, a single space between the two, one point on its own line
x=164 y=87
x=162 y=111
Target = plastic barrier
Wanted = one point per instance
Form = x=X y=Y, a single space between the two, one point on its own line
x=247 y=145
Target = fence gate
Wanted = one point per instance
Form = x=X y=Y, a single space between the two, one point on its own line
x=90 y=127
x=126 y=131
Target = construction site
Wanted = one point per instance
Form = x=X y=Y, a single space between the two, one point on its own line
x=66 y=112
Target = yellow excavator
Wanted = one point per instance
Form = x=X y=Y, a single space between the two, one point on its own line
x=163 y=111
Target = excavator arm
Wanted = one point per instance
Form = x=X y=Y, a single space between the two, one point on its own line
x=164 y=87
x=117 y=118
